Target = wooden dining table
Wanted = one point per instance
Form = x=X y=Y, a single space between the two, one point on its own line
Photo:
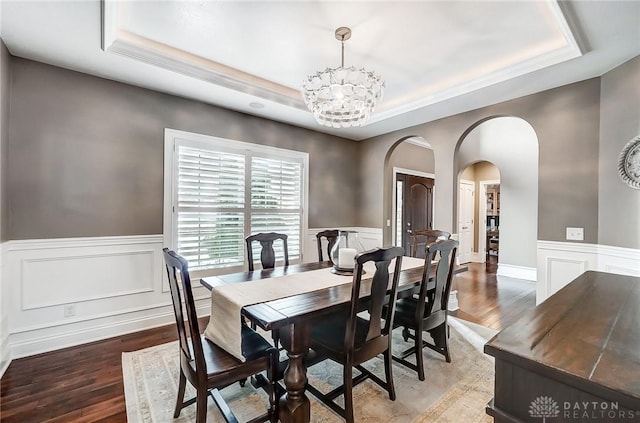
x=293 y=317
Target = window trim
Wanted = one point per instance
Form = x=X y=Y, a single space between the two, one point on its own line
x=232 y=146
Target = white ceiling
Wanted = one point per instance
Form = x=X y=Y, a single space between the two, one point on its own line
x=437 y=58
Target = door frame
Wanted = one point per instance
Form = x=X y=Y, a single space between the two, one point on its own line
x=482 y=216
x=396 y=170
x=473 y=222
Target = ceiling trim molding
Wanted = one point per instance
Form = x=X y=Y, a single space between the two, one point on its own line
x=126 y=43
x=538 y=60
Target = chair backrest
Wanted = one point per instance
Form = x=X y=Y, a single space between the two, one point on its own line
x=374 y=340
x=436 y=300
x=184 y=310
x=332 y=236
x=421 y=238
x=267 y=255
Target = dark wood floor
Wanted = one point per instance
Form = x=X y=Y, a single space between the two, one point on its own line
x=84 y=383
x=492 y=301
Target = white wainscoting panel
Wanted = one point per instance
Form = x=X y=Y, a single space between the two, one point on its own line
x=5 y=357
x=86 y=277
x=70 y=291
x=370 y=238
x=561 y=262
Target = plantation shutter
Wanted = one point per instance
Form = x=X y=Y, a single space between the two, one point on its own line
x=276 y=201
x=210 y=207
x=223 y=192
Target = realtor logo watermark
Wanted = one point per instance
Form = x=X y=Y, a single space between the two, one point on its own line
x=546 y=407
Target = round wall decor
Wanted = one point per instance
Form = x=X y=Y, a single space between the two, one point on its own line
x=629 y=163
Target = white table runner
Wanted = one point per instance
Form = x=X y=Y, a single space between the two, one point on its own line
x=227 y=301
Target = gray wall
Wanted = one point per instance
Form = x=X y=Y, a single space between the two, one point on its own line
x=619 y=204
x=87 y=155
x=411 y=156
x=566 y=121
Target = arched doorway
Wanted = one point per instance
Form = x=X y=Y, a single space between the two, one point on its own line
x=481 y=228
x=410 y=165
x=511 y=144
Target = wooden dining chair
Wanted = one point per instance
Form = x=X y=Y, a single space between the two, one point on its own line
x=351 y=340
x=331 y=235
x=267 y=254
x=428 y=312
x=422 y=237
x=207 y=366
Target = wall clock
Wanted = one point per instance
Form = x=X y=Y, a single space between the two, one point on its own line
x=629 y=163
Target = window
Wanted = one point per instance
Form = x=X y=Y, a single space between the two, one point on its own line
x=220 y=191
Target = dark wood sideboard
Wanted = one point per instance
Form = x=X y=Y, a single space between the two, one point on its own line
x=574 y=358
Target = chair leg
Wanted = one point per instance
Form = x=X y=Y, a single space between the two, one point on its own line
x=446 y=342
x=348 y=393
x=182 y=384
x=439 y=335
x=201 y=405
x=388 y=370
x=419 y=357
x=405 y=333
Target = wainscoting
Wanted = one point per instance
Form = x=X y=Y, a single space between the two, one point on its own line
x=64 y=292
x=58 y=293
x=561 y=262
x=5 y=357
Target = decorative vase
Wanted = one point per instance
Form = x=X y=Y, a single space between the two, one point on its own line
x=344 y=252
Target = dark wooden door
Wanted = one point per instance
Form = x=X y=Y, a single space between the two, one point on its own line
x=417 y=207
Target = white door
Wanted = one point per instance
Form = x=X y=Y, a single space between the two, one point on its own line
x=465 y=221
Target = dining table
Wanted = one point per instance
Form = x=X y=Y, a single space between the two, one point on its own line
x=293 y=317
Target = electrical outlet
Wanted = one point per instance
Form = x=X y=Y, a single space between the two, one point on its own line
x=575 y=234
x=69 y=310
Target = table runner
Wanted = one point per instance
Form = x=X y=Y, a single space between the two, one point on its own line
x=227 y=301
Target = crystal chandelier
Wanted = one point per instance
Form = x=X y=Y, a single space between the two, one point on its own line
x=342 y=97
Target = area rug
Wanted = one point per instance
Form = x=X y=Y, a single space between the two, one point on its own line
x=452 y=392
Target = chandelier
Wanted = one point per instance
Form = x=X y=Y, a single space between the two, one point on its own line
x=342 y=97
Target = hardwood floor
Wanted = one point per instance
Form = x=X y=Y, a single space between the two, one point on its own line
x=84 y=383
x=492 y=301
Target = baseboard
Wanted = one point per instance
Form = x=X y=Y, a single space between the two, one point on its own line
x=518 y=272
x=5 y=356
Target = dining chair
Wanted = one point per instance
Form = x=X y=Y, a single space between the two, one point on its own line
x=428 y=312
x=422 y=237
x=331 y=235
x=267 y=254
x=351 y=340
x=207 y=366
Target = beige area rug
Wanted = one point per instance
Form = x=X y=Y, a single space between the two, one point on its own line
x=452 y=392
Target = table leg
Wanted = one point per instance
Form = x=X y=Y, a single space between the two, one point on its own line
x=294 y=404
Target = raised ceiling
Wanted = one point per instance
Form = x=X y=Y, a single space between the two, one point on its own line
x=437 y=58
